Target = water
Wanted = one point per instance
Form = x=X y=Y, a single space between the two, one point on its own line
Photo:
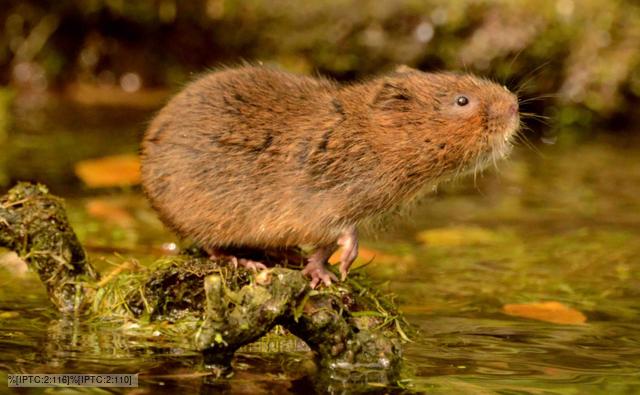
x=560 y=225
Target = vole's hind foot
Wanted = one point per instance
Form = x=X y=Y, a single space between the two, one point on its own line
x=214 y=254
x=349 y=243
x=317 y=267
x=217 y=254
x=247 y=264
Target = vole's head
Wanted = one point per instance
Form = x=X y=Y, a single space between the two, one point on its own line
x=460 y=122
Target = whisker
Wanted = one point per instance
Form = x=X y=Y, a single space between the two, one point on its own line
x=462 y=166
x=534 y=115
x=513 y=78
x=514 y=59
x=540 y=119
x=522 y=137
x=475 y=170
x=529 y=76
x=494 y=159
x=539 y=98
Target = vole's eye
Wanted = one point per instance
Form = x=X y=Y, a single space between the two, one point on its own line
x=462 y=101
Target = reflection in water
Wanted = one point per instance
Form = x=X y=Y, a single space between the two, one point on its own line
x=559 y=227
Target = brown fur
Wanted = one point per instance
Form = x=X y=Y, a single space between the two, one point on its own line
x=262 y=158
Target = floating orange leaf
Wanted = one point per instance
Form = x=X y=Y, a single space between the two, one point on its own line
x=366 y=255
x=555 y=312
x=110 y=171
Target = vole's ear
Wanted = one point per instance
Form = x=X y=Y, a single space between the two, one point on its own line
x=391 y=93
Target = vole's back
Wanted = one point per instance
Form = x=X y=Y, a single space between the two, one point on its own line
x=224 y=162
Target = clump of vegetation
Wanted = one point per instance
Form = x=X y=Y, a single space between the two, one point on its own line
x=350 y=326
x=34 y=224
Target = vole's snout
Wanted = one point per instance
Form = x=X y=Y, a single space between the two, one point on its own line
x=513 y=114
x=513 y=109
x=503 y=115
x=504 y=109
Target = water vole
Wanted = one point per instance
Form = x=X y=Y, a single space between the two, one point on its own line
x=262 y=158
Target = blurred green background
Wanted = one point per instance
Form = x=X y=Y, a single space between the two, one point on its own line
x=579 y=58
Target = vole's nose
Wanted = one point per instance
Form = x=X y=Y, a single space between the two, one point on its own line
x=505 y=109
x=513 y=109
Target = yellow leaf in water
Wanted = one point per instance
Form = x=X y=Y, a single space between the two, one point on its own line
x=457 y=236
x=555 y=312
x=7 y=315
x=110 y=171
